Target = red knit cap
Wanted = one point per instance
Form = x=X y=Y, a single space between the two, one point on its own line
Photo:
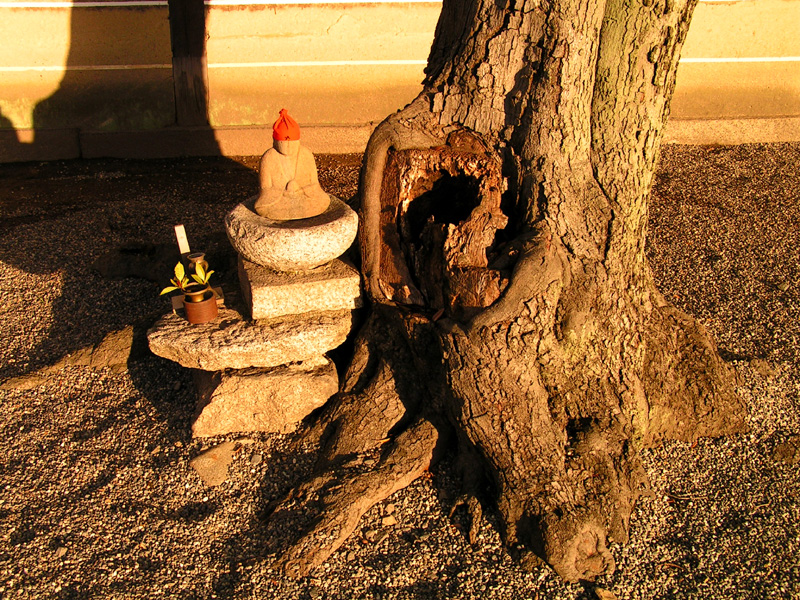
x=285 y=128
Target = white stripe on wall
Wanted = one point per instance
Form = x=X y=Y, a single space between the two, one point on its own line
x=279 y=2
x=82 y=68
x=132 y=3
x=317 y=63
x=744 y=59
x=341 y=63
x=115 y=3
x=70 y=4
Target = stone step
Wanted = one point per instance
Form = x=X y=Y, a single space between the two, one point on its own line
x=271 y=294
x=232 y=342
x=272 y=400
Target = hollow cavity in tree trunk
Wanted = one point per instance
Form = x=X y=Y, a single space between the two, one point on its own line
x=440 y=217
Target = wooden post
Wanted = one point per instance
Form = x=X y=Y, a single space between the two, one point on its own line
x=187 y=24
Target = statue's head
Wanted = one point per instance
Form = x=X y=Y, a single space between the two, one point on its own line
x=286 y=134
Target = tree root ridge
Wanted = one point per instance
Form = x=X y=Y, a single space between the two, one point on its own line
x=333 y=502
x=689 y=388
x=380 y=392
x=412 y=127
x=541 y=263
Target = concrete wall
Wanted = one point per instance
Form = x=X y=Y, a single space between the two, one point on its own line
x=95 y=78
x=95 y=67
x=739 y=76
x=349 y=63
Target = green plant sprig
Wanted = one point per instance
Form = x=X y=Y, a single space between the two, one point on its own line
x=179 y=282
x=201 y=275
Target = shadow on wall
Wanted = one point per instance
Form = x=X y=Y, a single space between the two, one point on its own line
x=57 y=219
x=138 y=97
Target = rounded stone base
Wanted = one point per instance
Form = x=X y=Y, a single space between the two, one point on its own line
x=292 y=245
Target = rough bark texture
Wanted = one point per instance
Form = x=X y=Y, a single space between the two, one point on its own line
x=504 y=215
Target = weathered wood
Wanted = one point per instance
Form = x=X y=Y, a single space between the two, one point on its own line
x=439 y=217
x=187 y=25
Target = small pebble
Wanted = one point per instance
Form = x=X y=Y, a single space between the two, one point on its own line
x=604 y=594
x=380 y=536
x=256 y=459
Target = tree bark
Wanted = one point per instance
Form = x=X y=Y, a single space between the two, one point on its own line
x=504 y=217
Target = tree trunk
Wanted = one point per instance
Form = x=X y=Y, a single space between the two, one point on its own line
x=504 y=217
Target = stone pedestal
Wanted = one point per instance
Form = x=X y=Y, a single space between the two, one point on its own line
x=271 y=294
x=268 y=372
x=233 y=342
x=271 y=400
x=292 y=245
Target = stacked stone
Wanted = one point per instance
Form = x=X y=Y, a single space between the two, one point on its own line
x=267 y=370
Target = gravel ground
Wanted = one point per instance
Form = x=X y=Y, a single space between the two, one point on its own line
x=97 y=498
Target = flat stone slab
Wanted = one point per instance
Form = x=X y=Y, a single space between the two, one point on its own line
x=271 y=294
x=273 y=400
x=232 y=342
x=292 y=245
x=212 y=465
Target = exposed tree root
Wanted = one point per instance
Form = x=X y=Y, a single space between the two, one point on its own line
x=376 y=414
x=475 y=512
x=688 y=387
x=334 y=501
x=380 y=394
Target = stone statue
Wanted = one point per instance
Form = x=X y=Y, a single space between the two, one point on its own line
x=289 y=186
